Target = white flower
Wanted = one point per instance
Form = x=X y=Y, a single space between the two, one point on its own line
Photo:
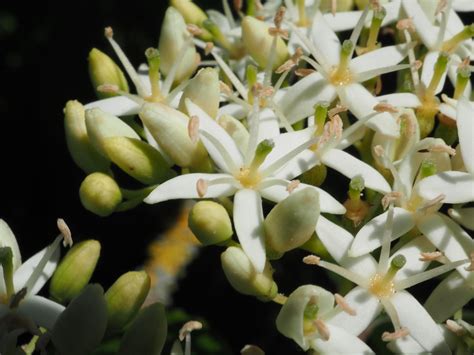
x=244 y=175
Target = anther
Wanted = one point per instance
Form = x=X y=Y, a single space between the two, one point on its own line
x=208 y=48
x=292 y=185
x=188 y=327
x=384 y=107
x=302 y=72
x=272 y=31
x=431 y=203
x=341 y=302
x=193 y=129
x=194 y=30
x=224 y=88
x=280 y=14
x=379 y=151
x=391 y=197
x=400 y=333
x=108 y=32
x=311 y=260
x=455 y=327
x=65 y=232
x=441 y=7
x=442 y=148
x=430 y=256
x=201 y=187
x=108 y=88
x=333 y=7
x=322 y=329
x=406 y=24
x=337 y=110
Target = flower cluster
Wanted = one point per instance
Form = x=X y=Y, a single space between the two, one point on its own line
x=249 y=111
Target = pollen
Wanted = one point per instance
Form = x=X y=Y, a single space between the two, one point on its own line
x=380 y=287
x=248 y=178
x=341 y=77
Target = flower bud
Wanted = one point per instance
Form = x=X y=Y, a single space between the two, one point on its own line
x=146 y=335
x=103 y=70
x=192 y=14
x=292 y=221
x=138 y=159
x=124 y=299
x=74 y=271
x=341 y=5
x=210 y=223
x=100 y=194
x=242 y=275
x=101 y=125
x=305 y=304
x=169 y=128
x=258 y=42
x=174 y=38
x=203 y=90
x=80 y=148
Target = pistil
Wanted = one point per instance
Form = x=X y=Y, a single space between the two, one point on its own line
x=6 y=260
x=342 y=75
x=451 y=44
x=153 y=58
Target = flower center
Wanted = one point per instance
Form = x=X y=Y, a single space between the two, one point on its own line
x=382 y=286
x=248 y=178
x=342 y=74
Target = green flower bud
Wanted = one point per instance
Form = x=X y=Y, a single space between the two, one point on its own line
x=258 y=42
x=81 y=327
x=80 y=148
x=291 y=222
x=174 y=38
x=305 y=304
x=341 y=5
x=236 y=130
x=138 y=159
x=124 y=299
x=242 y=275
x=74 y=271
x=147 y=334
x=101 y=125
x=192 y=14
x=100 y=194
x=204 y=91
x=103 y=70
x=210 y=223
x=169 y=128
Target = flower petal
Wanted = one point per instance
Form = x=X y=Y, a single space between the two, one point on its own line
x=458 y=187
x=351 y=167
x=464 y=216
x=297 y=103
x=7 y=239
x=427 y=32
x=421 y=326
x=465 y=124
x=326 y=42
x=269 y=126
x=406 y=345
x=361 y=102
x=184 y=187
x=454 y=288
x=278 y=192
x=42 y=311
x=448 y=237
x=340 y=342
x=411 y=251
x=117 y=106
x=21 y=276
x=234 y=110
x=248 y=221
x=427 y=71
x=367 y=307
x=448 y=110
x=463 y=5
x=370 y=236
x=402 y=99
x=337 y=242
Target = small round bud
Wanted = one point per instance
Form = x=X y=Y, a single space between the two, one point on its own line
x=210 y=223
x=242 y=275
x=103 y=70
x=124 y=299
x=192 y=14
x=100 y=194
x=74 y=271
x=291 y=222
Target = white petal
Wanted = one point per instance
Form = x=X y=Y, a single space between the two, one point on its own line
x=117 y=106
x=463 y=5
x=403 y=99
x=269 y=126
x=448 y=110
x=465 y=124
x=248 y=220
x=337 y=242
x=298 y=165
x=367 y=307
x=406 y=345
x=340 y=342
x=421 y=326
x=454 y=288
x=351 y=167
x=298 y=101
x=234 y=110
x=361 y=102
x=411 y=251
x=326 y=43
x=423 y=26
x=21 y=276
x=427 y=71
x=379 y=58
x=278 y=192
x=7 y=239
x=464 y=216
x=184 y=187
x=370 y=236
x=41 y=310
x=458 y=187
x=448 y=237
x=210 y=126
x=342 y=21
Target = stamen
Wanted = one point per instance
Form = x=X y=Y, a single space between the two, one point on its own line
x=432 y=203
x=347 y=274
x=380 y=152
x=230 y=74
x=471 y=265
x=280 y=14
x=209 y=47
x=441 y=7
x=201 y=187
x=406 y=24
x=357 y=30
x=455 y=328
x=430 y=256
x=65 y=232
x=337 y=110
x=188 y=327
x=391 y=312
x=442 y=148
x=17 y=298
x=228 y=12
x=445 y=10
x=108 y=88
x=386 y=240
x=193 y=129
x=224 y=88
x=364 y=76
x=385 y=107
x=290 y=63
x=311 y=260
x=341 y=302
x=292 y=185
x=323 y=330
x=333 y=7
x=281 y=116
x=302 y=72
x=194 y=30
x=400 y=333
x=391 y=197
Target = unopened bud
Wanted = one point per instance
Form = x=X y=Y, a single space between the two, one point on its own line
x=210 y=223
x=192 y=14
x=74 y=271
x=291 y=222
x=204 y=91
x=103 y=70
x=242 y=275
x=100 y=194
